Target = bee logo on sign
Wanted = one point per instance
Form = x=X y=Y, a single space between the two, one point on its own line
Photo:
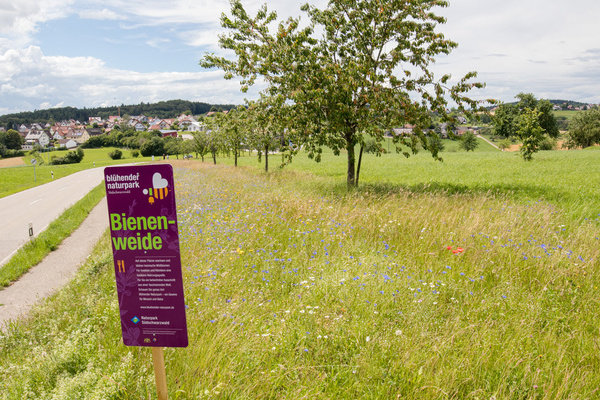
x=159 y=189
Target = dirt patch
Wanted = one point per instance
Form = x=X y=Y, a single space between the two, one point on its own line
x=11 y=162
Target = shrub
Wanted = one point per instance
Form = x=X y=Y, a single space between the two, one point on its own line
x=12 y=153
x=135 y=153
x=548 y=144
x=504 y=144
x=72 y=157
x=116 y=154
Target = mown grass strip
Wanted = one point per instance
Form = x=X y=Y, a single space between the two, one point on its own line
x=34 y=252
x=19 y=178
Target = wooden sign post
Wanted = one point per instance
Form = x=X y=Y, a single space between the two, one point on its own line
x=143 y=223
x=160 y=374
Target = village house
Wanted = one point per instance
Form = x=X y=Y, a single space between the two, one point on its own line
x=66 y=143
x=136 y=124
x=79 y=135
x=94 y=131
x=34 y=138
x=196 y=126
x=157 y=125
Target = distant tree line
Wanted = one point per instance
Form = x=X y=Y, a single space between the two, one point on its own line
x=163 y=109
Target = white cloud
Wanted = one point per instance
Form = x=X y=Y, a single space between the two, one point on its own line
x=104 y=14
x=32 y=80
x=157 y=42
x=546 y=48
x=46 y=105
x=21 y=17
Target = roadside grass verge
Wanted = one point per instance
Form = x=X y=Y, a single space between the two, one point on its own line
x=297 y=291
x=33 y=252
x=16 y=179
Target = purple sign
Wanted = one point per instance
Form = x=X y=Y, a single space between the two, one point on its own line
x=143 y=225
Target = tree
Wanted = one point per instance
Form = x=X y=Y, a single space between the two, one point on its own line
x=357 y=70
x=153 y=147
x=173 y=146
x=233 y=125
x=264 y=121
x=13 y=140
x=584 y=129
x=215 y=135
x=200 y=144
x=515 y=120
x=505 y=120
x=468 y=141
x=530 y=132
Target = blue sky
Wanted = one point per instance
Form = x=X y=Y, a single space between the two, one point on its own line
x=89 y=53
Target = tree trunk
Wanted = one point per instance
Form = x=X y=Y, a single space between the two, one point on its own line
x=362 y=147
x=235 y=157
x=350 y=176
x=214 y=158
x=267 y=158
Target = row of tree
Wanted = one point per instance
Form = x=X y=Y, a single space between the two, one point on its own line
x=256 y=126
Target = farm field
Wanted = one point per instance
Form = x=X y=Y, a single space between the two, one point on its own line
x=475 y=278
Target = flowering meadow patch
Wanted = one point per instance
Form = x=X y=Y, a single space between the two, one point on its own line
x=274 y=271
x=296 y=292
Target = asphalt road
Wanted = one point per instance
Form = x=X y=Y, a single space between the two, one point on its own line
x=55 y=271
x=41 y=205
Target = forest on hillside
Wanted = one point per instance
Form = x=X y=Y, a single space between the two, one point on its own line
x=163 y=109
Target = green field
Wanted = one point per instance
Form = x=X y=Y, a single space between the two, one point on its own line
x=568 y=114
x=475 y=278
x=16 y=179
x=567 y=179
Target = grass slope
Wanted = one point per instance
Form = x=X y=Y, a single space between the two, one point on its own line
x=298 y=290
x=16 y=179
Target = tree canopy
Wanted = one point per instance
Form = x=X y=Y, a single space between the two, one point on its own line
x=358 y=69
x=584 y=129
x=529 y=120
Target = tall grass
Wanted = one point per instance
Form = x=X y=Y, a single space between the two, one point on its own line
x=295 y=291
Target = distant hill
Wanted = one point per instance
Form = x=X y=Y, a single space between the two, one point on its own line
x=163 y=109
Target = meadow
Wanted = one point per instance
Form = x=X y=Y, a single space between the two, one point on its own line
x=475 y=278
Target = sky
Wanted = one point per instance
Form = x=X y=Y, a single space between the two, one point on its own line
x=97 y=53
